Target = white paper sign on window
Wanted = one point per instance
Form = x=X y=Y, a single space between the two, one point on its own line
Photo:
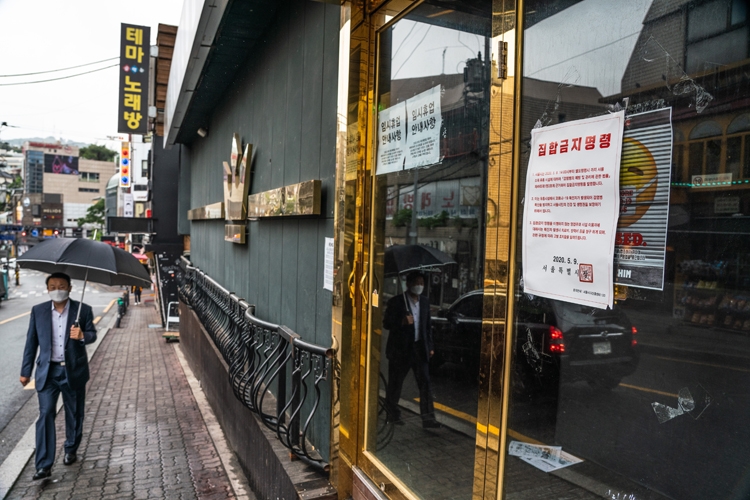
x=423 y=129
x=571 y=208
x=391 y=139
x=409 y=133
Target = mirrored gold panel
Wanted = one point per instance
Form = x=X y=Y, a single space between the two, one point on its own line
x=235 y=233
x=208 y=212
x=646 y=399
x=431 y=135
x=288 y=201
x=236 y=175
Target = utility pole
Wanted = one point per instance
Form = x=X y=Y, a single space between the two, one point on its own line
x=414 y=226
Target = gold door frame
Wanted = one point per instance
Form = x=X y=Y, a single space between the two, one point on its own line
x=355 y=201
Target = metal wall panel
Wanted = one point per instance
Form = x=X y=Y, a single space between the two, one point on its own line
x=283 y=101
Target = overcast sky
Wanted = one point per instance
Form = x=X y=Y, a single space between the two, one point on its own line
x=588 y=44
x=42 y=35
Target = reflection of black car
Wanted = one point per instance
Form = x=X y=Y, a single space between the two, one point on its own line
x=553 y=338
x=457 y=332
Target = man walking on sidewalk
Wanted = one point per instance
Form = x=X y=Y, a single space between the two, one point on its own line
x=62 y=367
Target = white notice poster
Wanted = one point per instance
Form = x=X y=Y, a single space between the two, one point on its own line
x=328 y=265
x=409 y=133
x=423 y=129
x=391 y=139
x=127 y=205
x=571 y=208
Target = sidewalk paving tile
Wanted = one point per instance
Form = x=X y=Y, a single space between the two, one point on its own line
x=144 y=436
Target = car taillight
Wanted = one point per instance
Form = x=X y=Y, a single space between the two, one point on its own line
x=634 y=330
x=556 y=343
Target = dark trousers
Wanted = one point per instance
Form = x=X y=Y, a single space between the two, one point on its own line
x=137 y=297
x=73 y=401
x=397 y=372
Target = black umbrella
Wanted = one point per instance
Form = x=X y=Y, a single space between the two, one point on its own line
x=404 y=258
x=87 y=260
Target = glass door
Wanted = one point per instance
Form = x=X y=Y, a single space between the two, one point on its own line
x=433 y=293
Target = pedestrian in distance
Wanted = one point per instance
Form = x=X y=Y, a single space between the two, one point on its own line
x=137 y=294
x=409 y=348
x=62 y=366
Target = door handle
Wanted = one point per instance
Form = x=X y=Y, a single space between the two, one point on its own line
x=350 y=284
x=361 y=287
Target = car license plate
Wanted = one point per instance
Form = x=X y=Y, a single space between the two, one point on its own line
x=602 y=348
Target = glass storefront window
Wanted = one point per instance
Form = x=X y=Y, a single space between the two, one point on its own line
x=428 y=245
x=650 y=394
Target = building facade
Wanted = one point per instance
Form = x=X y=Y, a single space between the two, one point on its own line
x=76 y=183
x=329 y=150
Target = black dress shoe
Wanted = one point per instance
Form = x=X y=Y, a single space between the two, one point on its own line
x=42 y=473
x=393 y=420
x=70 y=458
x=430 y=424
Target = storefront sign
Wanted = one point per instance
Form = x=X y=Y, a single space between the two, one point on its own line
x=288 y=201
x=711 y=180
x=457 y=198
x=236 y=188
x=571 y=208
x=207 y=212
x=645 y=172
x=237 y=181
x=409 y=133
x=135 y=42
x=727 y=205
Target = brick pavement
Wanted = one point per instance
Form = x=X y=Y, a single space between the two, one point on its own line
x=144 y=436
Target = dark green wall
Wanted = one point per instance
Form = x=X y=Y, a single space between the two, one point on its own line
x=284 y=103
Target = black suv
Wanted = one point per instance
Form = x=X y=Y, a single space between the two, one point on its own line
x=553 y=339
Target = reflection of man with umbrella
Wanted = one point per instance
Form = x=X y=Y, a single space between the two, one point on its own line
x=60 y=330
x=407 y=319
x=62 y=367
x=409 y=347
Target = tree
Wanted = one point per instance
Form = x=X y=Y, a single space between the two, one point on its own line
x=13 y=186
x=6 y=146
x=97 y=152
x=94 y=215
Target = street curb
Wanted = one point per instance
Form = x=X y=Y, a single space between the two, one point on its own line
x=15 y=462
x=233 y=471
x=703 y=355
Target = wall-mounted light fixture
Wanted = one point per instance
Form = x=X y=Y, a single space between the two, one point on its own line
x=202 y=132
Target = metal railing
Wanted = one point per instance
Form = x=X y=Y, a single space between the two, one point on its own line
x=262 y=357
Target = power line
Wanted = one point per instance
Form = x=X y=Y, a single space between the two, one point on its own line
x=60 y=78
x=412 y=52
x=61 y=69
x=583 y=53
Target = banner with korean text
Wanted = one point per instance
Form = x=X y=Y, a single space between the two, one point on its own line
x=135 y=49
x=571 y=208
x=409 y=133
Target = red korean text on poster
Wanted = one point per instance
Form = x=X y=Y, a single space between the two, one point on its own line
x=571 y=208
